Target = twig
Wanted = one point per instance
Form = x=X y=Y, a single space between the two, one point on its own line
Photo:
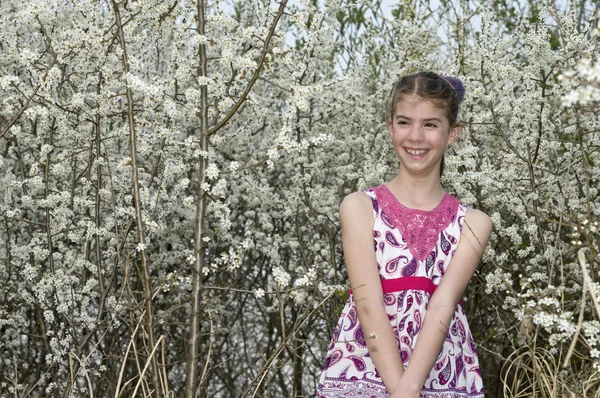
x=160 y=340
x=586 y=278
x=23 y=220
x=85 y=373
x=126 y=355
x=210 y=342
x=578 y=330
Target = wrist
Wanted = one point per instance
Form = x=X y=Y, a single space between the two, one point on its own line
x=413 y=387
x=409 y=386
x=416 y=388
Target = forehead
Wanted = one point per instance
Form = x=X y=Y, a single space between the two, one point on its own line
x=417 y=107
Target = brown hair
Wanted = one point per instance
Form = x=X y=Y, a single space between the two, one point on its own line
x=443 y=91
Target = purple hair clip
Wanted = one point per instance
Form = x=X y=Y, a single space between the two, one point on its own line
x=448 y=81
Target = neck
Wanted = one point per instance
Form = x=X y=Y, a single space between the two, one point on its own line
x=417 y=191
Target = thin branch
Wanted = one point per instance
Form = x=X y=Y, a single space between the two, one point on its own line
x=138 y=204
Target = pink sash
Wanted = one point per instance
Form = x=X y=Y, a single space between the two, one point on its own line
x=408 y=283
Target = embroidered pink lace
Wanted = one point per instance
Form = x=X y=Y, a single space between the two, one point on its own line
x=420 y=228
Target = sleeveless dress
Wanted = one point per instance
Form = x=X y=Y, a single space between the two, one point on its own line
x=413 y=249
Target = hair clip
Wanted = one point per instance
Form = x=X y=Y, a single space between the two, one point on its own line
x=448 y=81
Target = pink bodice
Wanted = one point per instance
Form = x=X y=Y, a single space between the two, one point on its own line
x=420 y=228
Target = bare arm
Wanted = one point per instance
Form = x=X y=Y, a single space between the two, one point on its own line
x=356 y=217
x=441 y=306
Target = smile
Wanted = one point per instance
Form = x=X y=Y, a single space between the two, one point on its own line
x=417 y=151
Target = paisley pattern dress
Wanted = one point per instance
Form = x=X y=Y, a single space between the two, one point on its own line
x=410 y=246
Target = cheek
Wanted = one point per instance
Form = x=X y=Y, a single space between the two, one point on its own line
x=396 y=138
x=438 y=138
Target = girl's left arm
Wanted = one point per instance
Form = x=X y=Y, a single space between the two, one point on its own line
x=475 y=233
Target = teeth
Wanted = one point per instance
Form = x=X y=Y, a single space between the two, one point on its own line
x=415 y=152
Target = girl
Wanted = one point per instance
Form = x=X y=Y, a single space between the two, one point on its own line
x=403 y=332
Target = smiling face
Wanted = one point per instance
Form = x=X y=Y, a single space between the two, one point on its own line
x=420 y=132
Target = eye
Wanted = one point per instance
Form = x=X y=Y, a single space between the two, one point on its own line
x=402 y=122
x=432 y=125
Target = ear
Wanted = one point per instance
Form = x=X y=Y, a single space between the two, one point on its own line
x=389 y=125
x=454 y=133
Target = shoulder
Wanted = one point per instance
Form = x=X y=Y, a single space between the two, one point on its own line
x=477 y=223
x=356 y=199
x=356 y=205
x=478 y=217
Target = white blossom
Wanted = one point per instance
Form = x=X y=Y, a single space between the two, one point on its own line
x=212 y=171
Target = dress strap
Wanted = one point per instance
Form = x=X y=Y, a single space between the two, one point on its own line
x=408 y=283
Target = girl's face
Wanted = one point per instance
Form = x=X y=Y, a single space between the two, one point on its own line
x=420 y=133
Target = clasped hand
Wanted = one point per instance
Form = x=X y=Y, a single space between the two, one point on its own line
x=405 y=390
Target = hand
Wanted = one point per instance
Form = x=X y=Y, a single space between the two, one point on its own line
x=402 y=394
x=406 y=390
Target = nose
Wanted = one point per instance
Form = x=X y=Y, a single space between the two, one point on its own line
x=416 y=133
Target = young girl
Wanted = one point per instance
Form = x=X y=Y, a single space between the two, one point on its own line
x=410 y=250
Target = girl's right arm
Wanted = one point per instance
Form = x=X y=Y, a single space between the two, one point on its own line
x=356 y=218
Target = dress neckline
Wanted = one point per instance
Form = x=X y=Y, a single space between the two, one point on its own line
x=420 y=229
x=421 y=211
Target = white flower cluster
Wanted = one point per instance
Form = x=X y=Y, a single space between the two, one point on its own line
x=591 y=331
x=497 y=281
x=285 y=145
x=175 y=279
x=587 y=74
x=219 y=190
x=225 y=104
x=212 y=171
x=590 y=92
x=221 y=212
x=281 y=278
x=230 y=261
x=299 y=296
x=306 y=279
x=234 y=166
x=302 y=94
x=138 y=85
x=7 y=80
x=323 y=138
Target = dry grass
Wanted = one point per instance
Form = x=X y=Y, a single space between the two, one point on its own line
x=535 y=371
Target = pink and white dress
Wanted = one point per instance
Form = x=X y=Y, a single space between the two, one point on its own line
x=413 y=249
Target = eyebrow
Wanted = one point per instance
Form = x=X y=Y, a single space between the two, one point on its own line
x=425 y=120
